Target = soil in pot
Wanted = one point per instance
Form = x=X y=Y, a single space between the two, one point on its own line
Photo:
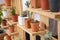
x=35 y=27
x=14 y=18
x=3 y=22
x=11 y=29
x=35 y=3
x=27 y=23
x=45 y=4
x=7 y=2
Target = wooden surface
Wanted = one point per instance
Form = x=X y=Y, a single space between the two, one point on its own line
x=30 y=31
x=46 y=13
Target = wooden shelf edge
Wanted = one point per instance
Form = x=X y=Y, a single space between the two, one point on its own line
x=53 y=15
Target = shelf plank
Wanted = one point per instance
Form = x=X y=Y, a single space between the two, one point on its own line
x=30 y=31
x=11 y=34
x=10 y=22
x=47 y=13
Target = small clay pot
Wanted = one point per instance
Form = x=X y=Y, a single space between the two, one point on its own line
x=27 y=23
x=14 y=18
x=4 y=22
x=35 y=3
x=45 y=4
x=7 y=2
x=7 y=37
x=11 y=29
x=35 y=27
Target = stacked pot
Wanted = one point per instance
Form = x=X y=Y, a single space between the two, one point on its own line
x=53 y=5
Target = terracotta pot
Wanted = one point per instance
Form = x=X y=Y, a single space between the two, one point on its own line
x=45 y=4
x=7 y=37
x=35 y=3
x=7 y=2
x=4 y=22
x=11 y=29
x=14 y=18
x=35 y=27
x=27 y=23
x=2 y=36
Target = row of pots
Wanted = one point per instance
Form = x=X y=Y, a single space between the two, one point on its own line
x=31 y=23
x=53 y=5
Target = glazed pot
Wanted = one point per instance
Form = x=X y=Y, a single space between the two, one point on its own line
x=3 y=22
x=5 y=13
x=54 y=5
x=35 y=27
x=11 y=29
x=35 y=3
x=7 y=2
x=21 y=20
x=27 y=23
x=7 y=37
x=45 y=4
x=14 y=18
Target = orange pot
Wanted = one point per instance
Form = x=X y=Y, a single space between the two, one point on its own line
x=7 y=2
x=45 y=4
x=7 y=37
x=35 y=27
x=11 y=29
x=15 y=18
x=35 y=3
x=27 y=23
x=3 y=22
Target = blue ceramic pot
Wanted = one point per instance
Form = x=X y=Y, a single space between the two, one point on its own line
x=54 y=5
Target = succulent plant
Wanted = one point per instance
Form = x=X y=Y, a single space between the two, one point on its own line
x=27 y=3
x=13 y=11
x=24 y=14
x=34 y=21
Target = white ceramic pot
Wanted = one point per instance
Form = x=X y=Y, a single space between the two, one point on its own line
x=21 y=20
x=5 y=13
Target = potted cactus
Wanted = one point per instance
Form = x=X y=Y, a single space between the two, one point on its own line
x=4 y=11
x=7 y=3
x=14 y=15
x=35 y=25
x=22 y=17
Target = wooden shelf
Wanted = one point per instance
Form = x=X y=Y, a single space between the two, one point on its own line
x=4 y=27
x=47 y=13
x=30 y=32
x=11 y=34
x=10 y=22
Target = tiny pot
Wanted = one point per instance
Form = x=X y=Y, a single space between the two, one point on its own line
x=7 y=37
x=14 y=18
x=45 y=4
x=21 y=20
x=27 y=23
x=4 y=23
x=5 y=13
x=35 y=3
x=7 y=2
x=11 y=29
x=54 y=5
x=35 y=27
